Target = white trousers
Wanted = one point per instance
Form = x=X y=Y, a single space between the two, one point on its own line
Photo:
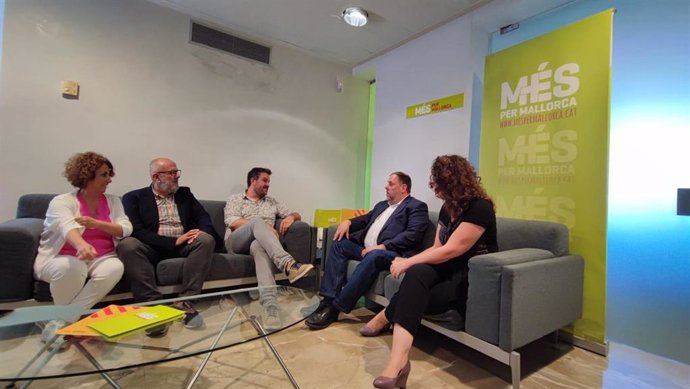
x=67 y=276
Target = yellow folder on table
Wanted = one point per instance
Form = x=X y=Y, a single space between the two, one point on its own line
x=130 y=322
x=81 y=328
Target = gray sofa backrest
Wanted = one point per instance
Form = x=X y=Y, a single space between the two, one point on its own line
x=518 y=234
x=215 y=210
x=430 y=233
x=35 y=206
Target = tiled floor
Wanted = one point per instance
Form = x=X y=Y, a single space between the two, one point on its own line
x=338 y=357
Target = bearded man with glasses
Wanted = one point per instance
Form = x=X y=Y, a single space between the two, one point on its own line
x=168 y=222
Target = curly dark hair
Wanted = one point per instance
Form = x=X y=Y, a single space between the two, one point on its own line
x=81 y=168
x=456 y=182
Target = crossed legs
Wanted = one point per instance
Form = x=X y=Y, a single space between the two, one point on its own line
x=257 y=239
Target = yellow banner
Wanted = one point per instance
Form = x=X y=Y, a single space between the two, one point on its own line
x=436 y=106
x=544 y=143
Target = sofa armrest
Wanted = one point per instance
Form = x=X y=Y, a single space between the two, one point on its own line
x=484 y=295
x=19 y=240
x=517 y=296
x=298 y=241
x=538 y=298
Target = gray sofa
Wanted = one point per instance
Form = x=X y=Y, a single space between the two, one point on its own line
x=19 y=240
x=528 y=289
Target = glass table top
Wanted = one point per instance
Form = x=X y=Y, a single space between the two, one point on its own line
x=230 y=318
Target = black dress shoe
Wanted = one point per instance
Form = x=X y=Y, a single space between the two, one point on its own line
x=325 y=302
x=323 y=317
x=157 y=331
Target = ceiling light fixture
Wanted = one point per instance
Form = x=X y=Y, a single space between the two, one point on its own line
x=355 y=16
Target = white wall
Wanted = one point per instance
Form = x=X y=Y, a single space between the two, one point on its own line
x=427 y=68
x=147 y=92
x=446 y=61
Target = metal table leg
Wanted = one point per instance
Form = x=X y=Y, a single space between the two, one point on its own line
x=260 y=330
x=98 y=366
x=51 y=353
x=208 y=355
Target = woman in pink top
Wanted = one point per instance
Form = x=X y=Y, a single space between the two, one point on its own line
x=76 y=254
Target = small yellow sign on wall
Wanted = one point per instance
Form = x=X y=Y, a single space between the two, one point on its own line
x=436 y=106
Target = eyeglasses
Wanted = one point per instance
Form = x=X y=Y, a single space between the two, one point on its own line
x=172 y=173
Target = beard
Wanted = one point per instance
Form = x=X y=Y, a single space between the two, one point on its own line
x=169 y=187
x=261 y=191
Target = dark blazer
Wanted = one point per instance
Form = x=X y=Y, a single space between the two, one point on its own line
x=403 y=231
x=140 y=207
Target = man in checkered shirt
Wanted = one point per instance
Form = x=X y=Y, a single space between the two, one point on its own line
x=168 y=222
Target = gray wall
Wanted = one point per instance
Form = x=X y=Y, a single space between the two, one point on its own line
x=147 y=92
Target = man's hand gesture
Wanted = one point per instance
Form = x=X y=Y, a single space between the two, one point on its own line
x=343 y=230
x=188 y=237
x=286 y=223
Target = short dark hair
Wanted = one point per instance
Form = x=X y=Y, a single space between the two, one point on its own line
x=404 y=179
x=255 y=173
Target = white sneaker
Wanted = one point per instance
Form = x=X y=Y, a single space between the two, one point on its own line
x=271 y=318
x=49 y=334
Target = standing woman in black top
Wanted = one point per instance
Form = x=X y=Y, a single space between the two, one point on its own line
x=467 y=227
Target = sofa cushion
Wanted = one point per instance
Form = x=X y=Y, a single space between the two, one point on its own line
x=216 y=209
x=33 y=205
x=430 y=232
x=377 y=286
x=495 y=261
x=19 y=239
x=169 y=271
x=517 y=234
x=450 y=319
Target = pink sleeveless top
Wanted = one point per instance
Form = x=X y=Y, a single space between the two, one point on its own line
x=100 y=240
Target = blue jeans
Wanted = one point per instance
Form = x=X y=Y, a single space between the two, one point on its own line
x=333 y=285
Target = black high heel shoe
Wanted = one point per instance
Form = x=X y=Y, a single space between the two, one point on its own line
x=400 y=381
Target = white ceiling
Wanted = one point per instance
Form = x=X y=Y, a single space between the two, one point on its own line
x=315 y=25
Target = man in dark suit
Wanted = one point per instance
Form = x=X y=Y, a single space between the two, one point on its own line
x=395 y=227
x=168 y=222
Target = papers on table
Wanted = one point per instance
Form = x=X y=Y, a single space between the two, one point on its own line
x=115 y=321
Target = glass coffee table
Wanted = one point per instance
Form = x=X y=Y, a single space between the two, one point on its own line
x=230 y=318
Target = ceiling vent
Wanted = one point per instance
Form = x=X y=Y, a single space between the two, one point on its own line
x=210 y=37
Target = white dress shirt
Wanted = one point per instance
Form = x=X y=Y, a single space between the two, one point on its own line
x=372 y=235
